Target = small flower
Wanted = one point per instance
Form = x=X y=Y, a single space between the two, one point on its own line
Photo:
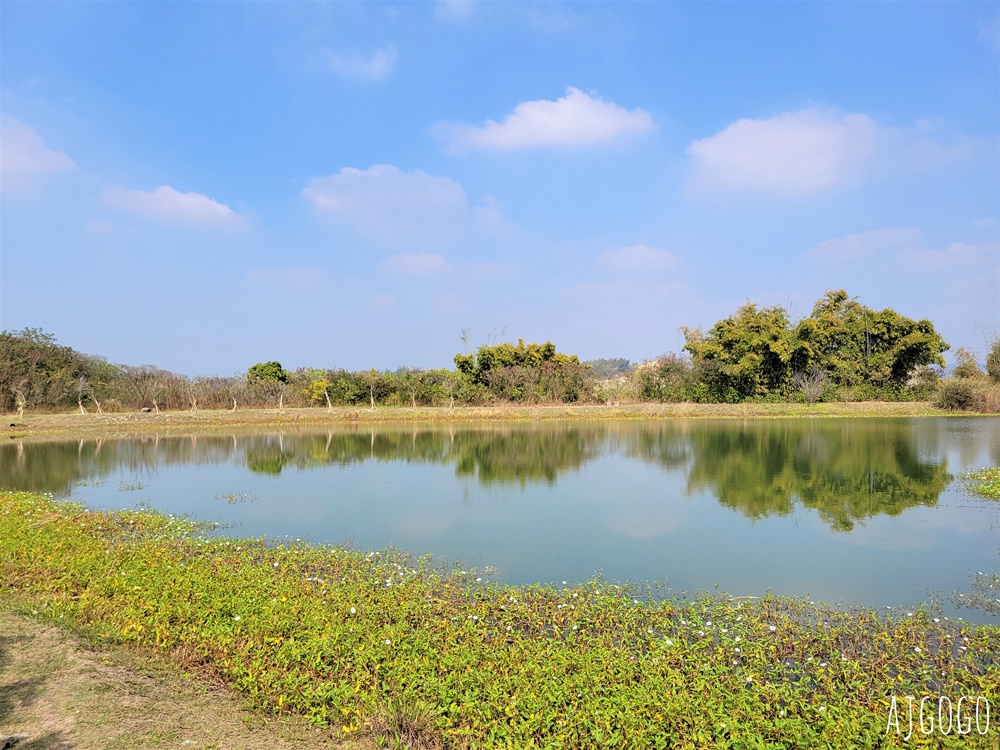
x=353 y=611
x=237 y=618
x=772 y=628
x=669 y=642
x=388 y=642
x=917 y=649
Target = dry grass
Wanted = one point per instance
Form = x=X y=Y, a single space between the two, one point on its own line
x=133 y=423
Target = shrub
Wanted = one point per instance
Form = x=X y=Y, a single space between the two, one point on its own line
x=955 y=394
x=993 y=361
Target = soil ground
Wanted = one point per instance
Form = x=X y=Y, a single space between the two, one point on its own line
x=59 y=691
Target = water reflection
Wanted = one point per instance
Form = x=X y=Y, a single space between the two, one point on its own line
x=847 y=470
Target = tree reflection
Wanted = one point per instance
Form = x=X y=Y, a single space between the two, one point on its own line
x=846 y=471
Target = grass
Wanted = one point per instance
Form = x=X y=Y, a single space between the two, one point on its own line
x=59 y=690
x=379 y=645
x=984 y=483
x=130 y=423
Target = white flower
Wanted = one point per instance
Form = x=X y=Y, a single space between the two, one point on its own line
x=669 y=642
x=353 y=611
x=917 y=649
x=772 y=628
x=237 y=618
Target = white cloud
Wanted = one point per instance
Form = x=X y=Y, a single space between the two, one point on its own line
x=292 y=278
x=484 y=271
x=454 y=11
x=793 y=153
x=24 y=158
x=957 y=256
x=640 y=258
x=989 y=32
x=905 y=250
x=390 y=206
x=164 y=204
x=489 y=216
x=877 y=242
x=578 y=120
x=106 y=228
x=416 y=263
x=353 y=65
x=382 y=302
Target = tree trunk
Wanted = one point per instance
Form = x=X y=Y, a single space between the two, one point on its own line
x=329 y=406
x=234 y=403
x=79 y=403
x=371 y=390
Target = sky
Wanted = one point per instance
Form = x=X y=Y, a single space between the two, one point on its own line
x=205 y=185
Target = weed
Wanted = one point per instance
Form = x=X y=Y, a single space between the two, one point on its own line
x=380 y=643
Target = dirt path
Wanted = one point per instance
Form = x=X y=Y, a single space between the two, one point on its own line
x=58 y=691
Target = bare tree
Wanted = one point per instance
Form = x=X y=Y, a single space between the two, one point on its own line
x=811 y=384
x=83 y=390
x=21 y=400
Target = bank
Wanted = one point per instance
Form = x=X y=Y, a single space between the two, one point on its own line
x=377 y=646
x=67 y=424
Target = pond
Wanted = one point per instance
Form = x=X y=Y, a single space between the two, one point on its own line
x=842 y=510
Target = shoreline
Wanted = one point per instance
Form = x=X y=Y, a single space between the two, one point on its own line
x=380 y=646
x=73 y=424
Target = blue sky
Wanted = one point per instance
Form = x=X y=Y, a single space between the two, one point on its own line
x=202 y=186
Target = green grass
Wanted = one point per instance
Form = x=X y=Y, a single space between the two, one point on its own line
x=381 y=644
x=984 y=483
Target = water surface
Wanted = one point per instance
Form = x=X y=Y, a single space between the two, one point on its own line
x=852 y=510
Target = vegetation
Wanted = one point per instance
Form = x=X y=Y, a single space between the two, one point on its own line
x=864 y=353
x=984 y=483
x=843 y=351
x=379 y=644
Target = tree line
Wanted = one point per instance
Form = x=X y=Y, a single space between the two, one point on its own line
x=842 y=351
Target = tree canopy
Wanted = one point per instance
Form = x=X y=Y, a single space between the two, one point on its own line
x=756 y=352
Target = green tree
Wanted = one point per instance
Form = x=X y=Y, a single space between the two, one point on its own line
x=268 y=380
x=526 y=372
x=264 y=372
x=966 y=366
x=744 y=356
x=993 y=361
x=855 y=345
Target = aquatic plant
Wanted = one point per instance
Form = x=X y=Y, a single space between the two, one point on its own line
x=382 y=644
